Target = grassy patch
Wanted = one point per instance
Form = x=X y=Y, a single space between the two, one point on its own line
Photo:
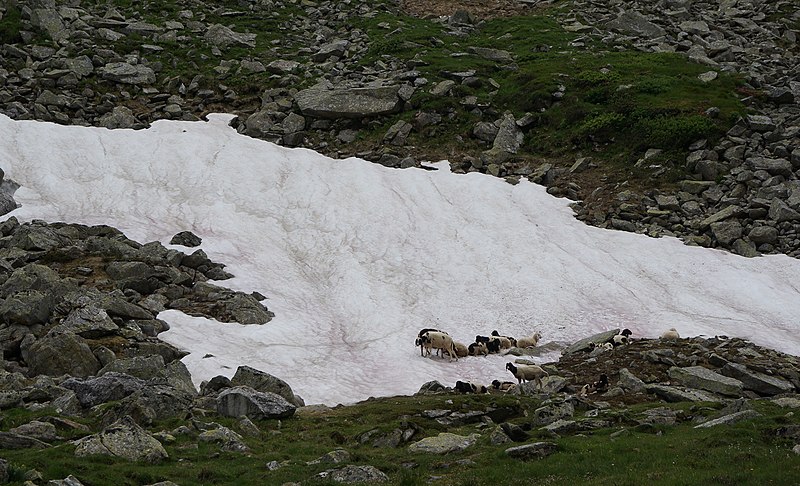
x=746 y=453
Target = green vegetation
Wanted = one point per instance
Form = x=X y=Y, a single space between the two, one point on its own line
x=746 y=453
x=10 y=26
x=614 y=103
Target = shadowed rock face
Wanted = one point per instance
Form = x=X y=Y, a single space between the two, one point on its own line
x=244 y=401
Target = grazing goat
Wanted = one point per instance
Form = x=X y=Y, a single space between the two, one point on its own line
x=529 y=342
x=439 y=340
x=528 y=373
x=598 y=386
x=467 y=387
x=671 y=334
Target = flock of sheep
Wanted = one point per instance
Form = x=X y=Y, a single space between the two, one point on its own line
x=430 y=339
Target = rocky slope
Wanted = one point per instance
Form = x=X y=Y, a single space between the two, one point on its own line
x=310 y=80
x=78 y=304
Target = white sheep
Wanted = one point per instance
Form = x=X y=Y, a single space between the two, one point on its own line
x=439 y=340
x=461 y=349
x=529 y=342
x=671 y=334
x=527 y=373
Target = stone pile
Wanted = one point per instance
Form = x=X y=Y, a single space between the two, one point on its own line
x=745 y=193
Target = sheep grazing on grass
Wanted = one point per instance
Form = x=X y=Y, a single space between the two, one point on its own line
x=598 y=386
x=528 y=373
x=439 y=340
x=671 y=334
x=476 y=349
x=529 y=342
x=468 y=387
x=503 y=386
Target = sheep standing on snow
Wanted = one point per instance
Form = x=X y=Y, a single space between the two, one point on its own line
x=418 y=342
x=527 y=373
x=529 y=342
x=671 y=334
x=439 y=340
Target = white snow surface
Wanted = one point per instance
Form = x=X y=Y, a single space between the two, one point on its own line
x=355 y=258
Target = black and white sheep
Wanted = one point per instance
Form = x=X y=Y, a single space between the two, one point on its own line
x=439 y=340
x=468 y=387
x=621 y=338
x=492 y=343
x=529 y=342
x=476 y=349
x=503 y=386
x=418 y=341
x=528 y=373
x=506 y=342
x=599 y=386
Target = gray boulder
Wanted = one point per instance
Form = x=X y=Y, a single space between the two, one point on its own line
x=673 y=394
x=348 y=103
x=27 y=308
x=551 y=412
x=228 y=439
x=264 y=382
x=119 y=117
x=633 y=22
x=123 y=439
x=705 y=379
x=444 y=443
x=355 y=474
x=729 y=419
x=102 y=389
x=89 y=322
x=43 y=431
x=537 y=450
x=142 y=367
x=244 y=401
x=758 y=382
x=62 y=354
x=67 y=481
x=223 y=37
x=726 y=232
x=186 y=238
x=122 y=72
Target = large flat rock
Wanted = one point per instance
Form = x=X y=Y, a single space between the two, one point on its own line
x=348 y=103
